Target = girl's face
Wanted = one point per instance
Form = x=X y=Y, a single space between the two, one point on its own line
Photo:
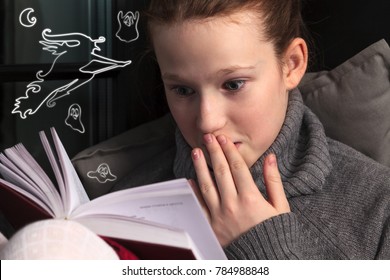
x=222 y=77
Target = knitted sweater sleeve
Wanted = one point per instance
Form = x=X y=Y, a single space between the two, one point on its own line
x=275 y=238
x=383 y=252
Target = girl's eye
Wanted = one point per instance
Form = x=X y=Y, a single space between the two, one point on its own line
x=234 y=85
x=183 y=91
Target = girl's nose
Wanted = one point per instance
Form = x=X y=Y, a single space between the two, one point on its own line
x=211 y=116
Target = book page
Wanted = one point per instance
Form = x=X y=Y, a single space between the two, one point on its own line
x=171 y=203
x=56 y=169
x=74 y=190
x=13 y=174
x=20 y=168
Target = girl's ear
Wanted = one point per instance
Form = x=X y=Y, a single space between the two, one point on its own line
x=295 y=62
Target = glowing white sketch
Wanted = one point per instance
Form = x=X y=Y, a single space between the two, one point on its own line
x=74 y=118
x=26 y=19
x=61 y=46
x=102 y=174
x=128 y=26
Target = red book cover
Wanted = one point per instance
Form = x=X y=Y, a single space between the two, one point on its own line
x=18 y=209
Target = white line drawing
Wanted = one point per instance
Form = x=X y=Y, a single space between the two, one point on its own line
x=74 y=118
x=102 y=174
x=61 y=46
x=128 y=26
x=26 y=19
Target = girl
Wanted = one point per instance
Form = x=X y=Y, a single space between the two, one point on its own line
x=230 y=71
x=272 y=184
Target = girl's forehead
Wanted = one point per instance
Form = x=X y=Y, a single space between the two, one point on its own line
x=214 y=47
x=239 y=32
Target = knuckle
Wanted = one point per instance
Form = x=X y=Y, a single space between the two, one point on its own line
x=229 y=210
x=221 y=170
x=237 y=165
x=205 y=188
x=249 y=199
x=230 y=207
x=213 y=149
x=274 y=178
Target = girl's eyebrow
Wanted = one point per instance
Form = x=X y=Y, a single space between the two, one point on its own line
x=224 y=71
x=234 y=68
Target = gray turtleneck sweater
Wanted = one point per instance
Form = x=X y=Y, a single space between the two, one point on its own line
x=339 y=198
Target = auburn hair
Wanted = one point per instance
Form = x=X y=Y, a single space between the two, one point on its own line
x=282 y=19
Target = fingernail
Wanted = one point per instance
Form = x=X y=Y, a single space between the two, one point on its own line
x=208 y=138
x=221 y=139
x=195 y=154
x=272 y=160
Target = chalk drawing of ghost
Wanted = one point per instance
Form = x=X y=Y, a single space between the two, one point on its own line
x=62 y=46
x=74 y=118
x=128 y=26
x=102 y=174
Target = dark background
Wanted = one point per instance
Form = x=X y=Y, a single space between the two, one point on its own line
x=342 y=28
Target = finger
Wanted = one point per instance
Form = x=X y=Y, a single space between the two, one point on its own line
x=239 y=169
x=274 y=185
x=199 y=196
x=206 y=185
x=221 y=168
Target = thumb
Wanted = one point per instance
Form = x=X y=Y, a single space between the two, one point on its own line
x=274 y=185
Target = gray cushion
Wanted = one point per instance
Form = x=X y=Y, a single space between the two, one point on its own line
x=103 y=166
x=353 y=101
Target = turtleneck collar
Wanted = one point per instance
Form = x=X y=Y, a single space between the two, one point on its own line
x=300 y=147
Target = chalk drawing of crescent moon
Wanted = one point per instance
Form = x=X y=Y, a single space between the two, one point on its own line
x=26 y=19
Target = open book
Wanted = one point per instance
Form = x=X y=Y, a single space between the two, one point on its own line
x=158 y=221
